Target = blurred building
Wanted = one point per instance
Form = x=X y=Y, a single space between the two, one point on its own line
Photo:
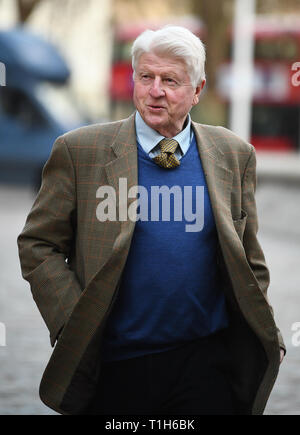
x=82 y=31
x=275 y=87
x=95 y=37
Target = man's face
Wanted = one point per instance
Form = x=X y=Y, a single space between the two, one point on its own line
x=163 y=93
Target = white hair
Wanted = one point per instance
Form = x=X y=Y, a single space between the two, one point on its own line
x=173 y=41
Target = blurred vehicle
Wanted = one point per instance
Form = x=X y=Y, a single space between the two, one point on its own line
x=36 y=105
x=276 y=99
x=121 y=84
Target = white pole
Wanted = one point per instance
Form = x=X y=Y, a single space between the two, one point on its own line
x=242 y=68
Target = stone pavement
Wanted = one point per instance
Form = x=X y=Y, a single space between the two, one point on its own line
x=279 y=234
x=27 y=349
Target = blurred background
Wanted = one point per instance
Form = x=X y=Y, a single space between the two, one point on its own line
x=67 y=63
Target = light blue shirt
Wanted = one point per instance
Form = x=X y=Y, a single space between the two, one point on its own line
x=149 y=138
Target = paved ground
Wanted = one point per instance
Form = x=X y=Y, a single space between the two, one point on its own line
x=27 y=349
x=279 y=213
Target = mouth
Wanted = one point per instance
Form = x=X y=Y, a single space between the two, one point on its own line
x=156 y=108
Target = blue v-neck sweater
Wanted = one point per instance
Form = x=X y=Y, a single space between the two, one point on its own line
x=170 y=291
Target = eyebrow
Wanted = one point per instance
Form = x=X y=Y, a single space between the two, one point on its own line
x=171 y=74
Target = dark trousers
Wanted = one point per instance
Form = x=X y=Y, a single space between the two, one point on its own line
x=189 y=380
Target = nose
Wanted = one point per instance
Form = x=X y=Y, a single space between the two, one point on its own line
x=156 y=90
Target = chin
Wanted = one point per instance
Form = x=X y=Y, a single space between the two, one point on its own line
x=154 y=122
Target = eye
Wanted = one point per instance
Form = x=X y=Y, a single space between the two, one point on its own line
x=170 y=82
x=145 y=77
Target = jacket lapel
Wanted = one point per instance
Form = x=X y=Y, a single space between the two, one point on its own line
x=122 y=174
x=124 y=165
x=218 y=177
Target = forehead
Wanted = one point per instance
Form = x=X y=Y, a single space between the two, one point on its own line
x=162 y=64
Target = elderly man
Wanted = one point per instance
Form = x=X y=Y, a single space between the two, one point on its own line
x=151 y=313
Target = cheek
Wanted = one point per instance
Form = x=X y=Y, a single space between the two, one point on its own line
x=190 y=101
x=183 y=103
x=135 y=95
x=138 y=93
x=182 y=99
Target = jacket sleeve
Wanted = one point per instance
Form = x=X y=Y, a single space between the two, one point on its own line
x=46 y=241
x=252 y=247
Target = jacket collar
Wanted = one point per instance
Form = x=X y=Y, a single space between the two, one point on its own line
x=125 y=140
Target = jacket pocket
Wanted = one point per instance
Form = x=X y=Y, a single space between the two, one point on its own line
x=240 y=224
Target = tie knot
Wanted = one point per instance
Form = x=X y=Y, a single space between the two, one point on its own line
x=167 y=158
x=168 y=145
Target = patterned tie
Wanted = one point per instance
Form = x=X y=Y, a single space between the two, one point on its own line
x=166 y=158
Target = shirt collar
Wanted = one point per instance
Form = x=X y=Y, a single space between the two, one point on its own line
x=149 y=138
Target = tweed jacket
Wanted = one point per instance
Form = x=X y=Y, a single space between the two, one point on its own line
x=74 y=262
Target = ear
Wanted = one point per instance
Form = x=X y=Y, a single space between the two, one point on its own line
x=197 y=92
